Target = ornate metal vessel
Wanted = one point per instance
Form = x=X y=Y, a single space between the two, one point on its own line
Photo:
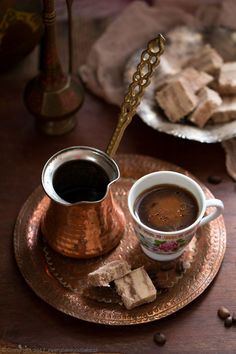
x=94 y=224
x=53 y=97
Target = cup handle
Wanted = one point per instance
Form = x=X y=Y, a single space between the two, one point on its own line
x=219 y=207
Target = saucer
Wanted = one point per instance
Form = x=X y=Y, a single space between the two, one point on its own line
x=62 y=281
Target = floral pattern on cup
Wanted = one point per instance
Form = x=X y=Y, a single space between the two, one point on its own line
x=163 y=246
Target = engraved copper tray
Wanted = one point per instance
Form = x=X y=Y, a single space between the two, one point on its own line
x=61 y=281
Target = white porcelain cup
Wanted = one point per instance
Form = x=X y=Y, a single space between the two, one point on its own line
x=166 y=246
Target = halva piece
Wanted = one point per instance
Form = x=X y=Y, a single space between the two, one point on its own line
x=109 y=272
x=226 y=111
x=177 y=99
x=227 y=79
x=136 y=288
x=194 y=78
x=207 y=59
x=209 y=100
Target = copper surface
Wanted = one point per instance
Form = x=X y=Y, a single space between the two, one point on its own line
x=61 y=281
x=87 y=228
x=150 y=59
x=83 y=230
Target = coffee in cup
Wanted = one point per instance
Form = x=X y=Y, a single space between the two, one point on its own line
x=167 y=208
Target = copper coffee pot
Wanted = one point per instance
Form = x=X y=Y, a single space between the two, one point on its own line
x=83 y=220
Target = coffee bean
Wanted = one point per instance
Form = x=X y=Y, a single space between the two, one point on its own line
x=159 y=338
x=223 y=312
x=214 y=179
x=228 y=321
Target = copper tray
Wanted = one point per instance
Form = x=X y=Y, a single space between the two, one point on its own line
x=61 y=281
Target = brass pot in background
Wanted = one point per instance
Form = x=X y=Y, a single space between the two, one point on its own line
x=21 y=28
x=54 y=97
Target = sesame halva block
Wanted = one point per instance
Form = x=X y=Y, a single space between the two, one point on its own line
x=136 y=288
x=227 y=79
x=207 y=59
x=226 y=112
x=177 y=99
x=109 y=272
x=194 y=78
x=209 y=101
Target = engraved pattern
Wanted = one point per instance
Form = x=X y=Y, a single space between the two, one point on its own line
x=150 y=59
x=60 y=281
x=11 y=16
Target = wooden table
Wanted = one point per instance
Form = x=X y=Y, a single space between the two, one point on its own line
x=28 y=322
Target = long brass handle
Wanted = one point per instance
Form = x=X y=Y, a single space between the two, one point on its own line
x=150 y=59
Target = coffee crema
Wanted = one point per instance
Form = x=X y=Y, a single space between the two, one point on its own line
x=166 y=207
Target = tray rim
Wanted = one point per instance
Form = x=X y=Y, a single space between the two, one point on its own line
x=38 y=192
